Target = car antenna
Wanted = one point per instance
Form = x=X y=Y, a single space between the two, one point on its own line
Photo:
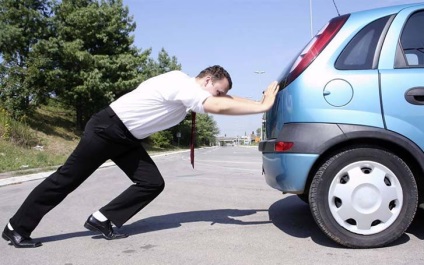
x=338 y=13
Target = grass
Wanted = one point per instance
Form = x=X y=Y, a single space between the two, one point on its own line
x=13 y=158
x=41 y=141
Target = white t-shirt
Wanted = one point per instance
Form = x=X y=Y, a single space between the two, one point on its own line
x=159 y=103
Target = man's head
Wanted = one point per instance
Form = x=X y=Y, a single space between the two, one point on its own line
x=215 y=79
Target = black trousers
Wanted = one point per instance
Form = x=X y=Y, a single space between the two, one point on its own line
x=105 y=137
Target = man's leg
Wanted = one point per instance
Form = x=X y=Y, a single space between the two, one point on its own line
x=102 y=140
x=148 y=184
x=49 y=193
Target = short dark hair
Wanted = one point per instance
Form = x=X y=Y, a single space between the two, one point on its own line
x=217 y=72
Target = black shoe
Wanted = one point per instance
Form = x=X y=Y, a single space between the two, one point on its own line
x=105 y=228
x=17 y=240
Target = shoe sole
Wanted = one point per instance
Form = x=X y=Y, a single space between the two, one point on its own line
x=5 y=237
x=95 y=229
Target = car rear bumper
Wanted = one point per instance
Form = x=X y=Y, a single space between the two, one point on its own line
x=287 y=172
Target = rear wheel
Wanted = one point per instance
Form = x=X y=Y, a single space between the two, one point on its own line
x=363 y=197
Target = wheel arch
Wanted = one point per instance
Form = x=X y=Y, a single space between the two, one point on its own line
x=412 y=155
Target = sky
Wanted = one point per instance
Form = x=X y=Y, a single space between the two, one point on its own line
x=252 y=39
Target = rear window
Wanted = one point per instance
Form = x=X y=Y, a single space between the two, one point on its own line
x=360 y=53
x=410 y=53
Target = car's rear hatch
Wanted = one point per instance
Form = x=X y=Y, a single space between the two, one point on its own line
x=297 y=66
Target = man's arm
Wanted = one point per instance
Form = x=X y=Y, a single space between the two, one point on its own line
x=243 y=99
x=237 y=106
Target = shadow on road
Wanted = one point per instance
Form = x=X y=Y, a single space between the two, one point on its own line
x=64 y=236
x=416 y=228
x=175 y=220
x=292 y=216
x=168 y=221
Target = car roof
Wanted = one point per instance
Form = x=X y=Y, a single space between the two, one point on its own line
x=382 y=11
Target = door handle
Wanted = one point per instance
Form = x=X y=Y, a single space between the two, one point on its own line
x=415 y=95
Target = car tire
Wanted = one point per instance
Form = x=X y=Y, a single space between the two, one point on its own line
x=363 y=197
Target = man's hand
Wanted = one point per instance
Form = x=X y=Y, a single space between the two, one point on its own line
x=269 y=95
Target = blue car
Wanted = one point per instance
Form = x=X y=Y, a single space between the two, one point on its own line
x=346 y=133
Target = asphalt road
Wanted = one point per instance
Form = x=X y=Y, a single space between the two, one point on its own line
x=221 y=212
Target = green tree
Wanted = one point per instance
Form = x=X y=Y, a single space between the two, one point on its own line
x=162 y=139
x=91 y=60
x=166 y=63
x=163 y=64
x=22 y=24
x=206 y=130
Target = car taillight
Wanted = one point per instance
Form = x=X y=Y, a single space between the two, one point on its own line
x=283 y=146
x=315 y=47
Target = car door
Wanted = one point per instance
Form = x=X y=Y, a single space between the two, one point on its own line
x=402 y=87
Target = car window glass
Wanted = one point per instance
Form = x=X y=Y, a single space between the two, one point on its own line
x=359 y=53
x=412 y=58
x=412 y=41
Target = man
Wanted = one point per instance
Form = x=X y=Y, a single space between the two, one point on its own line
x=115 y=132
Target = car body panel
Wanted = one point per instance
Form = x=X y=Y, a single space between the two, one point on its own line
x=408 y=122
x=288 y=179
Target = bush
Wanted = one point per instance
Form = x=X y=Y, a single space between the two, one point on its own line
x=17 y=132
x=161 y=139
